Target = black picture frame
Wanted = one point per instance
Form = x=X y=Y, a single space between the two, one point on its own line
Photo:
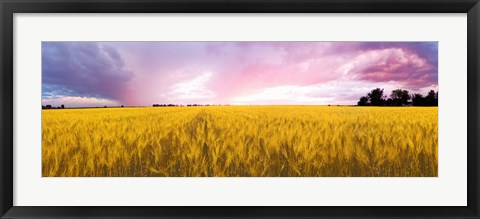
x=10 y=7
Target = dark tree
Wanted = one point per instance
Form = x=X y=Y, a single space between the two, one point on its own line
x=399 y=97
x=362 y=102
x=376 y=97
x=418 y=100
x=62 y=106
x=122 y=106
x=431 y=99
x=390 y=102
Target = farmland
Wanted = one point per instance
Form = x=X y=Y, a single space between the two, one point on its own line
x=231 y=141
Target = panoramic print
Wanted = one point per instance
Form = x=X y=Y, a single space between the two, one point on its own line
x=239 y=109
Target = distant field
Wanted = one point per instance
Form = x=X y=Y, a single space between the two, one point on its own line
x=241 y=141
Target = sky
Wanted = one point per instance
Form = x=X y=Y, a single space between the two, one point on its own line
x=90 y=74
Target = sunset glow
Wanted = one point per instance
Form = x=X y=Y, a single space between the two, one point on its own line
x=88 y=74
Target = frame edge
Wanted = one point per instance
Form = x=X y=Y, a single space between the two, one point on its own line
x=7 y=210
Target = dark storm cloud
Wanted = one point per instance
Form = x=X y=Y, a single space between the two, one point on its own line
x=83 y=69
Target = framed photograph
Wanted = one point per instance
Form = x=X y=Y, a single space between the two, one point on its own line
x=258 y=109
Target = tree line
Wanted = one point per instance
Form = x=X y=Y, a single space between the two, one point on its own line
x=176 y=105
x=63 y=107
x=398 y=97
x=53 y=107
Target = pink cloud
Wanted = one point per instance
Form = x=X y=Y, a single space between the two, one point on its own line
x=392 y=64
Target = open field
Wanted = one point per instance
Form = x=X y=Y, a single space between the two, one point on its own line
x=241 y=141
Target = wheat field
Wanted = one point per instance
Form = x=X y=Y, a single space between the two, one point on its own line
x=231 y=141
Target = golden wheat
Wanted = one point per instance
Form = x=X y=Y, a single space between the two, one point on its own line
x=240 y=141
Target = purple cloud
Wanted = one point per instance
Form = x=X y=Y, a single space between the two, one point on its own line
x=83 y=69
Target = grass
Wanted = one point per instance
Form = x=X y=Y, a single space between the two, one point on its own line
x=241 y=141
